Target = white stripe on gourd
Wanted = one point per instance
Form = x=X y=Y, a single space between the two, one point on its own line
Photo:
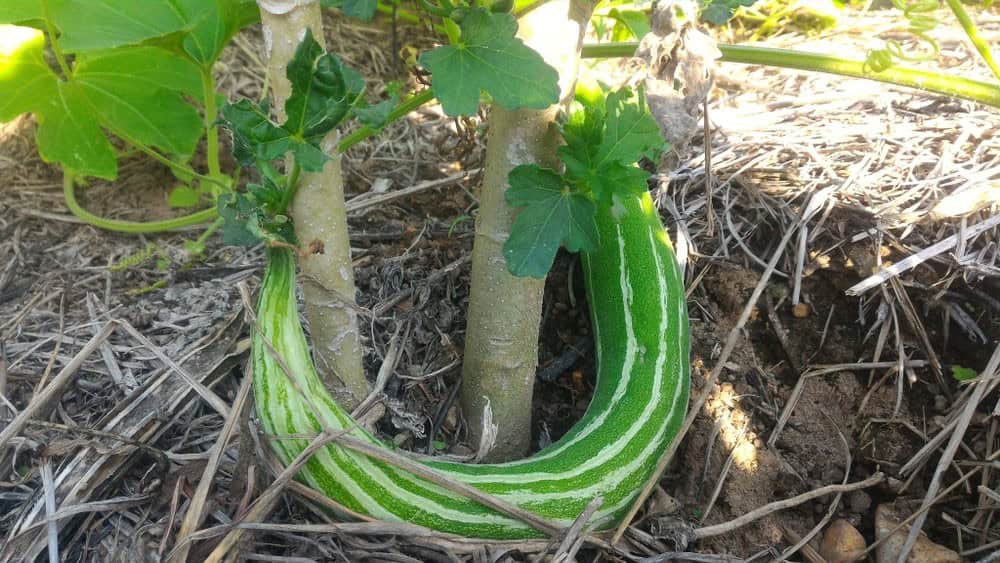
x=637 y=300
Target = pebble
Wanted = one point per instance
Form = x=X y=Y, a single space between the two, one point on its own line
x=924 y=551
x=859 y=501
x=842 y=543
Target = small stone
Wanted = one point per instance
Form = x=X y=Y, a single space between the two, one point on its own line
x=842 y=543
x=859 y=501
x=924 y=551
x=800 y=310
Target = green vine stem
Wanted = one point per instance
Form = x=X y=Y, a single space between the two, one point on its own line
x=981 y=44
x=411 y=103
x=211 y=129
x=135 y=227
x=936 y=82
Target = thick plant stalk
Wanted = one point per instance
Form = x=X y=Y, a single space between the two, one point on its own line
x=501 y=347
x=319 y=214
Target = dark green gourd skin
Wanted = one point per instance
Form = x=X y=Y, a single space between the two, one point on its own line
x=640 y=328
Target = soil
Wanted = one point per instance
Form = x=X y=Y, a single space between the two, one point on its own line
x=58 y=278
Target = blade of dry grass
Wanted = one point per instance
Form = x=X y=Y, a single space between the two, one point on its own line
x=196 y=508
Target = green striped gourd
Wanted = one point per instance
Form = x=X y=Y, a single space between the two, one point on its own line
x=640 y=327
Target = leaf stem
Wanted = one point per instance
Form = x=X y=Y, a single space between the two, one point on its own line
x=972 y=32
x=54 y=41
x=211 y=115
x=290 y=188
x=182 y=168
x=406 y=106
x=936 y=82
x=69 y=195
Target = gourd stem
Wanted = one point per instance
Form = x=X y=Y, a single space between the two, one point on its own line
x=935 y=82
x=977 y=40
x=404 y=108
x=175 y=223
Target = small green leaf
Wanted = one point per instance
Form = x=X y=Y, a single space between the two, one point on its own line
x=630 y=129
x=246 y=222
x=183 y=196
x=323 y=90
x=552 y=215
x=364 y=10
x=489 y=57
x=240 y=227
x=254 y=136
x=963 y=373
x=376 y=116
x=719 y=12
x=194 y=248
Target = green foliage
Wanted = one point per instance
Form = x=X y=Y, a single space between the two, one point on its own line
x=605 y=137
x=134 y=92
x=252 y=217
x=135 y=66
x=553 y=214
x=364 y=10
x=323 y=91
x=183 y=196
x=488 y=57
x=961 y=373
x=719 y=12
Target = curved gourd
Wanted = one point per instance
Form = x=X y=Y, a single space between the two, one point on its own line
x=640 y=327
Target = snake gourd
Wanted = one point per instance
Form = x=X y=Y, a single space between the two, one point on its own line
x=640 y=328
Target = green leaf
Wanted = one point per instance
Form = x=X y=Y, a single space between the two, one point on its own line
x=18 y=11
x=605 y=137
x=719 y=12
x=552 y=215
x=254 y=136
x=323 y=90
x=240 y=227
x=376 y=116
x=630 y=129
x=630 y=24
x=149 y=68
x=26 y=81
x=364 y=10
x=246 y=222
x=88 y=25
x=68 y=133
x=136 y=93
x=212 y=29
x=490 y=58
x=183 y=196
x=963 y=373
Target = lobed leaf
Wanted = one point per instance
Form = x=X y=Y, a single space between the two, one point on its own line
x=489 y=57
x=630 y=129
x=552 y=215
x=323 y=90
